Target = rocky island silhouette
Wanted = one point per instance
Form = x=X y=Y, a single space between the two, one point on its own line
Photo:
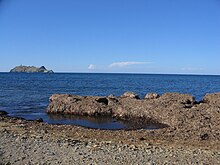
x=30 y=69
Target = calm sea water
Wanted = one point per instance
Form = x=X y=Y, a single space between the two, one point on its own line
x=26 y=95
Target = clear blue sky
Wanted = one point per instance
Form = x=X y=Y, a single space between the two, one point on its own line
x=143 y=36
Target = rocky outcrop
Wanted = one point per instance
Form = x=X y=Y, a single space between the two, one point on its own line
x=179 y=111
x=165 y=108
x=81 y=105
x=30 y=69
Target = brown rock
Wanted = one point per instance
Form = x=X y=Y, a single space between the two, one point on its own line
x=178 y=98
x=213 y=98
x=179 y=111
x=79 y=105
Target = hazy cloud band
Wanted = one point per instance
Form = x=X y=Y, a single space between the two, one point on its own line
x=127 y=63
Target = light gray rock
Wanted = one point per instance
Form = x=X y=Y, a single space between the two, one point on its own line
x=149 y=96
x=130 y=95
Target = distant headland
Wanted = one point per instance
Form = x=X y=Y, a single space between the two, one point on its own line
x=30 y=69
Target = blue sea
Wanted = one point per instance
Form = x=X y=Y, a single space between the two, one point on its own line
x=27 y=95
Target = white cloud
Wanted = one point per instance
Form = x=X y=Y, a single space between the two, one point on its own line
x=91 y=67
x=127 y=63
x=191 y=69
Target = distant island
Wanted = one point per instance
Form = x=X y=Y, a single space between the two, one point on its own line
x=30 y=69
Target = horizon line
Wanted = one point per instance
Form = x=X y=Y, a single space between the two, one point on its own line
x=143 y=73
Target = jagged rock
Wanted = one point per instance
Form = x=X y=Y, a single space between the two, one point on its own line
x=30 y=69
x=3 y=113
x=79 y=105
x=151 y=96
x=130 y=95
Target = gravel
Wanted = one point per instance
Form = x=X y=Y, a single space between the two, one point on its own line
x=29 y=143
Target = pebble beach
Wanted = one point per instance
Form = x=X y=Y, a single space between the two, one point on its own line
x=33 y=142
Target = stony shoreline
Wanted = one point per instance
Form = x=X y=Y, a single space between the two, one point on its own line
x=33 y=142
x=192 y=135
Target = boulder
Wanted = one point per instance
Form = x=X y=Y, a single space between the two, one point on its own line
x=130 y=95
x=149 y=96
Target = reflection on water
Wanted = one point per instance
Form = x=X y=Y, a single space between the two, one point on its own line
x=103 y=122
